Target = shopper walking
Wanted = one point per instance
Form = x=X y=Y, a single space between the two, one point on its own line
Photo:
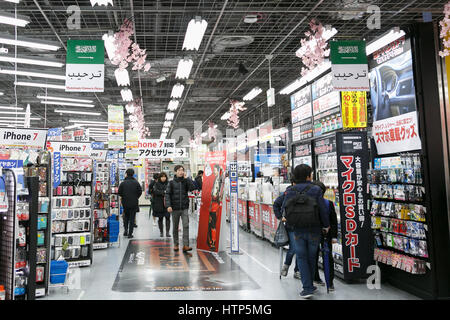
x=177 y=202
x=159 y=209
x=330 y=238
x=199 y=180
x=129 y=191
x=306 y=214
x=150 y=192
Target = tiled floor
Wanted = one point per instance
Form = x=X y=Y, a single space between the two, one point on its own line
x=259 y=260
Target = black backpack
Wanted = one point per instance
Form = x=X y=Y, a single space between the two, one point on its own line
x=302 y=211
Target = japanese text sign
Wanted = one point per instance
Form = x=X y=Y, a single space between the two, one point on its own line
x=157 y=148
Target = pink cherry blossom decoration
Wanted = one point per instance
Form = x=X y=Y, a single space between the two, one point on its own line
x=445 y=31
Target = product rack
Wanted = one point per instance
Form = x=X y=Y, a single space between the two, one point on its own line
x=72 y=213
x=102 y=204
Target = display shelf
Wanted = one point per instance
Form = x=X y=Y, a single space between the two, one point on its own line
x=102 y=204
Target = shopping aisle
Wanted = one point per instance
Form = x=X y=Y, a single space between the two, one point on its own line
x=259 y=261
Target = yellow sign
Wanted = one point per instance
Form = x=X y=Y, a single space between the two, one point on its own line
x=354 y=109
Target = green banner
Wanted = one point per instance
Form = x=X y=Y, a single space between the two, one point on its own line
x=348 y=52
x=85 y=52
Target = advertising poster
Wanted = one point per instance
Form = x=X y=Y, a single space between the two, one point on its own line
x=132 y=145
x=70 y=149
x=156 y=149
x=242 y=212
x=353 y=163
x=54 y=134
x=23 y=138
x=326 y=106
x=349 y=65
x=233 y=213
x=255 y=218
x=98 y=155
x=354 y=109
x=269 y=221
x=302 y=154
x=301 y=112
x=116 y=127
x=208 y=236
x=85 y=66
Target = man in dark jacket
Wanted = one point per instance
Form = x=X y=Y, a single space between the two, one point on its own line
x=177 y=203
x=130 y=191
x=330 y=238
x=199 y=180
x=306 y=239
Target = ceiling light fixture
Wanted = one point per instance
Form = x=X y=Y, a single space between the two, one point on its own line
x=184 y=68
x=17 y=118
x=102 y=2
x=122 y=77
x=326 y=35
x=204 y=134
x=63 y=99
x=77 y=112
x=70 y=104
x=127 y=95
x=173 y=105
x=89 y=122
x=29 y=42
x=14 y=20
x=167 y=124
x=71 y=127
x=165 y=130
x=33 y=73
x=177 y=91
x=109 y=45
x=40 y=85
x=1 y=93
x=13 y=1
x=10 y=108
x=384 y=40
x=31 y=60
x=194 y=33
x=12 y=112
x=169 y=116
x=252 y=94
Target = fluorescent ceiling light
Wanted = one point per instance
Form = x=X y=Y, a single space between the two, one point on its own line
x=184 y=68
x=109 y=45
x=204 y=134
x=127 y=95
x=173 y=105
x=14 y=20
x=177 y=91
x=102 y=2
x=33 y=73
x=12 y=112
x=29 y=42
x=71 y=104
x=31 y=60
x=194 y=33
x=1 y=93
x=170 y=115
x=71 y=127
x=63 y=99
x=40 y=85
x=226 y=116
x=323 y=67
x=326 y=35
x=17 y=118
x=252 y=94
x=92 y=125
x=89 y=122
x=384 y=40
x=167 y=124
x=122 y=77
x=215 y=126
x=10 y=108
x=13 y=1
x=77 y=112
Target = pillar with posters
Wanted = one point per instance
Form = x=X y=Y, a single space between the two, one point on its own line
x=211 y=219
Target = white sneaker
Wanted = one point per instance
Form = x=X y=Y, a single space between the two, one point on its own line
x=284 y=270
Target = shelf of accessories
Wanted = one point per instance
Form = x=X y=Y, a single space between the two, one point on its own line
x=101 y=205
x=398 y=211
x=77 y=177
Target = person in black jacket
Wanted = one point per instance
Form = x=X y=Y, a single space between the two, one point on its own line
x=177 y=203
x=199 y=180
x=159 y=209
x=150 y=192
x=331 y=238
x=130 y=191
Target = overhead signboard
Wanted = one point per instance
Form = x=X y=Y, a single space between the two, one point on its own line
x=70 y=149
x=354 y=109
x=85 y=66
x=181 y=153
x=116 y=127
x=99 y=155
x=23 y=138
x=156 y=148
x=301 y=111
x=349 y=65
x=132 y=144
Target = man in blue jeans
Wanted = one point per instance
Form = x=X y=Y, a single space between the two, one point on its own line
x=306 y=239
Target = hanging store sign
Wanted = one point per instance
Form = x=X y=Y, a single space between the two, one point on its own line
x=132 y=145
x=99 y=155
x=265 y=131
x=81 y=135
x=97 y=145
x=301 y=112
x=326 y=106
x=354 y=109
x=327 y=145
x=112 y=173
x=116 y=127
x=181 y=153
x=54 y=134
x=70 y=149
x=85 y=66
x=156 y=149
x=353 y=163
x=23 y=138
x=234 y=218
x=252 y=137
x=397 y=134
x=349 y=66
x=302 y=154
x=56 y=169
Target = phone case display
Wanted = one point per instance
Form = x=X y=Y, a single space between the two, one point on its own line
x=72 y=211
x=101 y=204
x=398 y=212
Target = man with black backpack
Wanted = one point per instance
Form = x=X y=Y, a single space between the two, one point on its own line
x=306 y=217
